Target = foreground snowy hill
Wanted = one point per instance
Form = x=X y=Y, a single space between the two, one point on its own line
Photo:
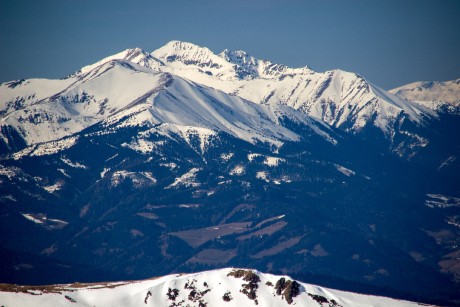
x=225 y=287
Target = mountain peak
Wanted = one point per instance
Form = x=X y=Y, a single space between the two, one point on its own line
x=134 y=55
x=227 y=65
x=178 y=45
x=238 y=57
x=431 y=91
x=188 y=54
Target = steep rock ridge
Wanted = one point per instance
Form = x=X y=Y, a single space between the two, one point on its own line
x=225 y=287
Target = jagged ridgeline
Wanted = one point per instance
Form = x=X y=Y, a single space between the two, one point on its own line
x=180 y=160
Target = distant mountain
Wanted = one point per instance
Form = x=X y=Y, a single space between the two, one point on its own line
x=435 y=92
x=339 y=98
x=184 y=160
x=117 y=90
x=225 y=287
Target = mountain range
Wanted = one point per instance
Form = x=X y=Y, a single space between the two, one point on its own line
x=180 y=160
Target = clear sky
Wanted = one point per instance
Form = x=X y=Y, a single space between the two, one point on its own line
x=389 y=42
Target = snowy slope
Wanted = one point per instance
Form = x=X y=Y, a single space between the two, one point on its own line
x=434 y=92
x=224 y=287
x=72 y=104
x=121 y=93
x=186 y=85
x=339 y=98
x=135 y=55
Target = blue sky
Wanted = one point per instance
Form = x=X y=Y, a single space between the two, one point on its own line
x=390 y=43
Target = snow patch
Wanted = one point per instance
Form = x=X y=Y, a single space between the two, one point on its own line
x=187 y=180
x=226 y=157
x=104 y=171
x=8 y=197
x=48 y=148
x=141 y=145
x=170 y=165
x=344 y=170
x=73 y=164
x=138 y=180
x=203 y=136
x=252 y=156
x=262 y=176
x=447 y=162
x=273 y=161
x=31 y=218
x=149 y=176
x=9 y=171
x=63 y=172
x=441 y=201
x=44 y=221
x=53 y=188
x=237 y=170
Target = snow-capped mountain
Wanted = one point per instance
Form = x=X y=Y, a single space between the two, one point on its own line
x=339 y=98
x=46 y=110
x=116 y=91
x=436 y=92
x=225 y=287
x=226 y=66
x=183 y=160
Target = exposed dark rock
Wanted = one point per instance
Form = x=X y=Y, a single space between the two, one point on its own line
x=227 y=297
x=320 y=299
x=249 y=289
x=288 y=289
x=149 y=294
x=193 y=296
x=70 y=299
x=172 y=294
